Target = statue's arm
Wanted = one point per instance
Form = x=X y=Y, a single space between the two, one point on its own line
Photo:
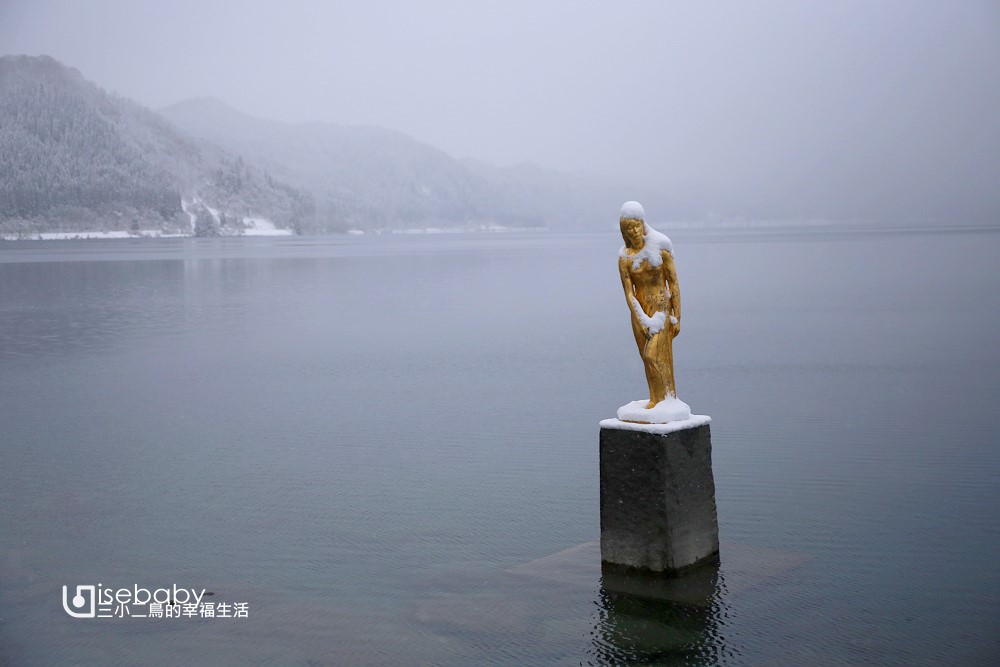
x=627 y=285
x=675 y=291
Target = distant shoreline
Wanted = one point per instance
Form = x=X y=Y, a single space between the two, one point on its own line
x=713 y=230
x=142 y=234
x=160 y=234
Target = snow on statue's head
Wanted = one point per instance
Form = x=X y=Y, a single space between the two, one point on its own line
x=633 y=224
x=633 y=210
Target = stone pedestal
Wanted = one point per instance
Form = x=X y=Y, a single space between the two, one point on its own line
x=658 y=496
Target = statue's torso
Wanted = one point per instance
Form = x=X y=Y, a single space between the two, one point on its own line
x=650 y=286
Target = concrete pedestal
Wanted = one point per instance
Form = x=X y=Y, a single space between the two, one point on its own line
x=657 y=498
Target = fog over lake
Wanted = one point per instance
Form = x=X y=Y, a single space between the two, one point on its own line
x=794 y=110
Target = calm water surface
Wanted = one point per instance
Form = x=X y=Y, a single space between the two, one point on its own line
x=360 y=437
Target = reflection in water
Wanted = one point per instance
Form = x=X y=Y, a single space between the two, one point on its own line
x=651 y=619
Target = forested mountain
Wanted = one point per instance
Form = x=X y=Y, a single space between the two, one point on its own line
x=367 y=177
x=73 y=157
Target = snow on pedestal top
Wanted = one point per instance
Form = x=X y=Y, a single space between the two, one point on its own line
x=633 y=209
x=694 y=421
x=670 y=409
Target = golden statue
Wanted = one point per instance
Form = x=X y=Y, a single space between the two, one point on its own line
x=646 y=265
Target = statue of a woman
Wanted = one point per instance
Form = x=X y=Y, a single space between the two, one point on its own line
x=646 y=265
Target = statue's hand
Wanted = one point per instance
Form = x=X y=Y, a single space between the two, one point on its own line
x=675 y=327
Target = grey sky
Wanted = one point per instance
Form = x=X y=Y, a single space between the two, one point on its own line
x=799 y=108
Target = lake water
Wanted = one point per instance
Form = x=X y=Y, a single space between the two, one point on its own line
x=360 y=437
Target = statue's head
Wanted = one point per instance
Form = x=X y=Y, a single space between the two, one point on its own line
x=633 y=224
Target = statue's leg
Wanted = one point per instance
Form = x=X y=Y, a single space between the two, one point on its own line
x=647 y=367
x=659 y=356
x=670 y=388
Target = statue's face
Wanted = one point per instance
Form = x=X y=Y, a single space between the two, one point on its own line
x=633 y=231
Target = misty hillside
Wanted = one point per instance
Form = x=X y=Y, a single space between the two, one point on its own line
x=367 y=177
x=73 y=157
x=76 y=158
x=360 y=177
